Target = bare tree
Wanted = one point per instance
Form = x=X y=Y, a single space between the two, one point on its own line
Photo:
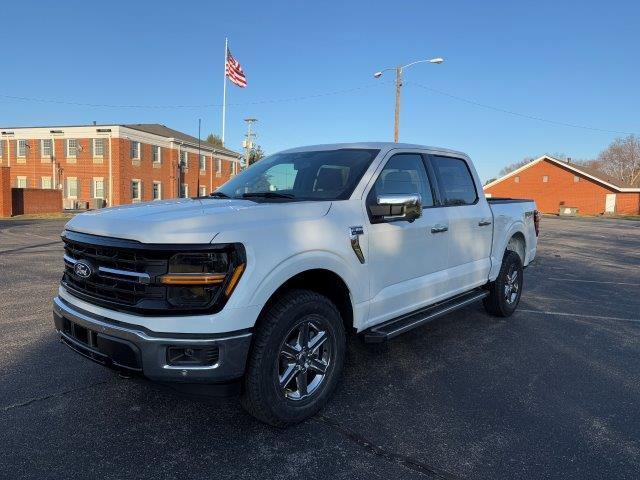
x=621 y=159
x=514 y=166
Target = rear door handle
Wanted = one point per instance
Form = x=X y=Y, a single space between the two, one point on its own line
x=484 y=223
x=439 y=228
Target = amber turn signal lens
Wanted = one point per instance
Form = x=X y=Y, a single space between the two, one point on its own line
x=237 y=273
x=191 y=279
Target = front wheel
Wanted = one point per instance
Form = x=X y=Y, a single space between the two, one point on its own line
x=505 y=291
x=296 y=359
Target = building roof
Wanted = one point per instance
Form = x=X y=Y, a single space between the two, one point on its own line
x=588 y=172
x=152 y=128
x=164 y=131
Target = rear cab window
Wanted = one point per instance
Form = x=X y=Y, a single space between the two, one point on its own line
x=455 y=181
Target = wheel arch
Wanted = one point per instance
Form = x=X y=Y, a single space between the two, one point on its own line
x=513 y=239
x=320 y=280
x=518 y=243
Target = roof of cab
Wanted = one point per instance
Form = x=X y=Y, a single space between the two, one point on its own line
x=382 y=146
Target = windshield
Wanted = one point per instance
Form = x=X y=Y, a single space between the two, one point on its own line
x=315 y=175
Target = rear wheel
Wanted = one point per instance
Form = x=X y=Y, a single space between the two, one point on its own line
x=505 y=291
x=296 y=359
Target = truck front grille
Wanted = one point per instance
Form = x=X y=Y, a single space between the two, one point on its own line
x=113 y=270
x=124 y=274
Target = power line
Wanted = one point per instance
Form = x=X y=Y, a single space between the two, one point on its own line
x=205 y=105
x=308 y=97
x=511 y=112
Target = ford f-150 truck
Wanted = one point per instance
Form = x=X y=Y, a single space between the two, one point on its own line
x=258 y=284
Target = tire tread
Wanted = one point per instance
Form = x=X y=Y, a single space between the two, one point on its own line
x=253 y=399
x=494 y=304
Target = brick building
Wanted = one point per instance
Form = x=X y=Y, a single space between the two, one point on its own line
x=553 y=184
x=105 y=165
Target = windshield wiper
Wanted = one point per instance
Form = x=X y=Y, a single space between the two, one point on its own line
x=267 y=195
x=219 y=195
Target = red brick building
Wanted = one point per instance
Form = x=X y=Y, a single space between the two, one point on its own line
x=105 y=165
x=553 y=184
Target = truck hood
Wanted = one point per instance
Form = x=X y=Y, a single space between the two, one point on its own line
x=189 y=220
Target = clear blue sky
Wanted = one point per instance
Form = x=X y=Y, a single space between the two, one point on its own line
x=574 y=62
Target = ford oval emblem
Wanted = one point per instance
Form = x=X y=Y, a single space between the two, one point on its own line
x=82 y=269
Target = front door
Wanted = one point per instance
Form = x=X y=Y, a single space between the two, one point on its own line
x=610 y=203
x=407 y=260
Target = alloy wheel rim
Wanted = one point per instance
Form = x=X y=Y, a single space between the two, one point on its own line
x=511 y=285
x=304 y=359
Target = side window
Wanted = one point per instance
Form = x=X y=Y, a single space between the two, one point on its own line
x=404 y=173
x=456 y=183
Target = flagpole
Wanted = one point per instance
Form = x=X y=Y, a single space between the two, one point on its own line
x=224 y=90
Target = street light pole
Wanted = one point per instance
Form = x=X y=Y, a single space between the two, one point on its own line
x=399 y=69
x=396 y=124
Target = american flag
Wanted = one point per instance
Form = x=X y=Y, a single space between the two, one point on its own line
x=234 y=72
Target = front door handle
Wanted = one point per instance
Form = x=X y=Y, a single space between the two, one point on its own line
x=439 y=228
x=484 y=223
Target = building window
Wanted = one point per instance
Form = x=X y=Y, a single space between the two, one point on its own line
x=203 y=191
x=136 y=190
x=157 y=191
x=21 y=182
x=516 y=179
x=45 y=182
x=22 y=148
x=218 y=167
x=46 y=146
x=135 y=150
x=184 y=160
x=545 y=179
x=184 y=190
x=576 y=179
x=72 y=148
x=98 y=188
x=203 y=163
x=72 y=187
x=157 y=154
x=98 y=147
x=1 y=148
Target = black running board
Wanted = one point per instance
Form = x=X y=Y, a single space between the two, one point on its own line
x=404 y=323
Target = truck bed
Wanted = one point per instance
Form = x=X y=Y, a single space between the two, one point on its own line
x=507 y=200
x=508 y=213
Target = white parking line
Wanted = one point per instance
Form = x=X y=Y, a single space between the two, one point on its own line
x=593 y=281
x=565 y=314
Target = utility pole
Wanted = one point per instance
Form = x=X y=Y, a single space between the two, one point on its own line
x=396 y=123
x=248 y=140
x=399 y=70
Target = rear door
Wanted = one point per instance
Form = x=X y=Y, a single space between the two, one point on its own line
x=470 y=223
x=407 y=260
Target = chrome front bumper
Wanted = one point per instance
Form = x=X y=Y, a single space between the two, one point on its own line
x=136 y=350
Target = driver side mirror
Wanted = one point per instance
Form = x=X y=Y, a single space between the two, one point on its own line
x=391 y=208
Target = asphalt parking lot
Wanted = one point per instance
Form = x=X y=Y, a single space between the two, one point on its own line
x=553 y=392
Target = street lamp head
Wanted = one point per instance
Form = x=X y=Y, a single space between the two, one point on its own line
x=436 y=60
x=377 y=74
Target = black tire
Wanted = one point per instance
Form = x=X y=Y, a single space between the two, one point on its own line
x=270 y=359
x=504 y=295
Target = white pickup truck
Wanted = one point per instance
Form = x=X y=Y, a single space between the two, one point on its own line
x=255 y=287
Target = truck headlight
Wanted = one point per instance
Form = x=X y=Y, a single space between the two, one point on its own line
x=200 y=279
